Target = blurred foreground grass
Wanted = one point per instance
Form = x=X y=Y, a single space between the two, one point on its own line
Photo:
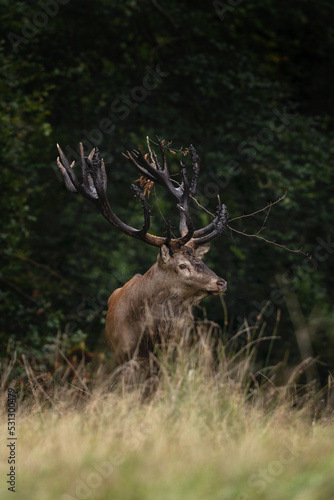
x=204 y=434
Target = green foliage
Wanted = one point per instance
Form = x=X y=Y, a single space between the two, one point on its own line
x=252 y=87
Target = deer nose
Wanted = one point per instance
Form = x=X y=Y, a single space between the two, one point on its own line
x=221 y=285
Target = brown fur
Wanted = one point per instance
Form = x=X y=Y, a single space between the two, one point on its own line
x=153 y=308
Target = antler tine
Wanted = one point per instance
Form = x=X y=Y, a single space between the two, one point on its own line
x=219 y=223
x=83 y=164
x=66 y=169
x=204 y=230
x=195 y=162
x=189 y=225
x=163 y=154
x=97 y=172
x=156 y=161
x=130 y=157
x=67 y=180
x=87 y=188
x=185 y=182
x=185 y=201
x=160 y=176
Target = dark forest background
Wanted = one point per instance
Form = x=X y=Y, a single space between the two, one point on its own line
x=248 y=82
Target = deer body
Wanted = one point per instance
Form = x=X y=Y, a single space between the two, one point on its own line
x=157 y=307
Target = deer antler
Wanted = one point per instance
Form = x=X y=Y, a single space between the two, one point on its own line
x=93 y=186
x=182 y=194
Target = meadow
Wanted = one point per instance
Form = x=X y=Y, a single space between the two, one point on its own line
x=214 y=428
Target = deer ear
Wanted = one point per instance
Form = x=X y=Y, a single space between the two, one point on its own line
x=201 y=251
x=164 y=254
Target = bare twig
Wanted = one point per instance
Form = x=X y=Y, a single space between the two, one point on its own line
x=261 y=209
x=7 y=371
x=34 y=383
x=74 y=370
x=201 y=206
x=164 y=12
x=268 y=241
x=257 y=235
x=51 y=271
x=18 y=291
x=173 y=151
x=265 y=220
x=248 y=345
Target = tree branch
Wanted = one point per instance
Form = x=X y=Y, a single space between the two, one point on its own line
x=268 y=241
x=18 y=291
x=270 y=204
x=46 y=268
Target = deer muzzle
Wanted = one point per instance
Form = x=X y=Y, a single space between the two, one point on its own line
x=221 y=285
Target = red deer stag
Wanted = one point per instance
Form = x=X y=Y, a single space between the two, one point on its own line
x=151 y=308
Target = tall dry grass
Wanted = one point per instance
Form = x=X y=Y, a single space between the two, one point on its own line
x=214 y=425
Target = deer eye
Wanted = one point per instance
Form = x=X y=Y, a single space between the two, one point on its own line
x=182 y=266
